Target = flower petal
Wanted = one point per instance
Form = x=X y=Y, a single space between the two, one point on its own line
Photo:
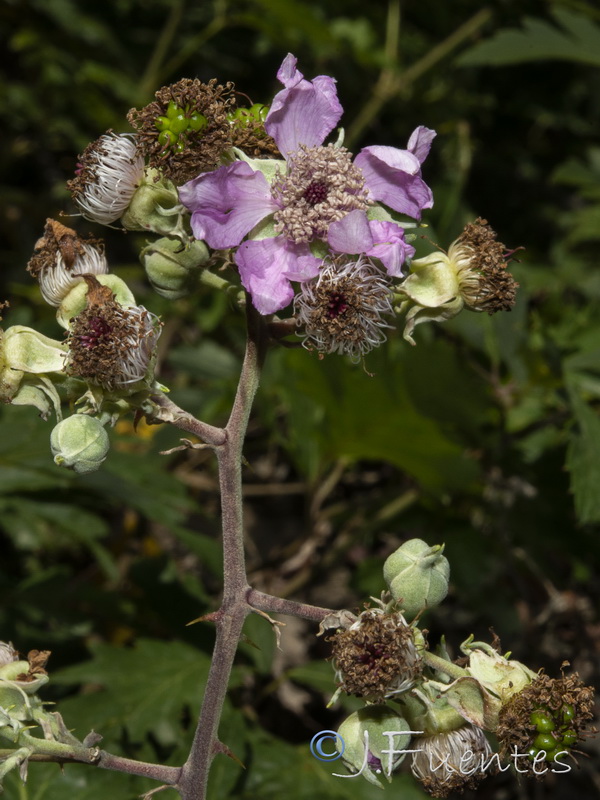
x=420 y=142
x=393 y=177
x=227 y=203
x=267 y=266
x=389 y=246
x=305 y=112
x=351 y=234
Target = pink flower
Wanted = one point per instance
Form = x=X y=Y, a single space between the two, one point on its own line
x=323 y=195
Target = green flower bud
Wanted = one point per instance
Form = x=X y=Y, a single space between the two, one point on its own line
x=172 y=267
x=155 y=204
x=417 y=575
x=79 y=443
x=374 y=740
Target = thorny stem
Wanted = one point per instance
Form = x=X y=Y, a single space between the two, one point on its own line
x=170 y=412
x=239 y=599
x=234 y=608
x=57 y=752
x=278 y=605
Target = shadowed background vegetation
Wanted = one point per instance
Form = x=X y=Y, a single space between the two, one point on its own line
x=485 y=436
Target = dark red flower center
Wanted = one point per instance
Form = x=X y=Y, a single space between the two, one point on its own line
x=337 y=305
x=316 y=192
x=97 y=328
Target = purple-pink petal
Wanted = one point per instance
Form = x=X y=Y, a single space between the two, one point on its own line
x=351 y=234
x=389 y=246
x=355 y=234
x=305 y=112
x=393 y=177
x=287 y=72
x=267 y=266
x=420 y=142
x=227 y=203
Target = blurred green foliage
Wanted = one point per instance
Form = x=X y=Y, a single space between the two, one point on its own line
x=485 y=436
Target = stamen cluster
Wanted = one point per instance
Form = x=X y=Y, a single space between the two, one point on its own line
x=108 y=172
x=61 y=257
x=321 y=186
x=485 y=283
x=109 y=344
x=452 y=761
x=341 y=310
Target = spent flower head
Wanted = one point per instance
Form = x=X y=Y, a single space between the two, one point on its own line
x=186 y=129
x=377 y=656
x=471 y=275
x=343 y=309
x=111 y=345
x=452 y=761
x=109 y=171
x=61 y=258
x=8 y=654
x=546 y=718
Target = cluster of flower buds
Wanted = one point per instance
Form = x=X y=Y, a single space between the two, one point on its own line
x=438 y=711
x=106 y=363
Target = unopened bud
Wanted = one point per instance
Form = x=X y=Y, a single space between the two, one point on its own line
x=79 y=443
x=154 y=206
x=172 y=267
x=417 y=576
x=374 y=740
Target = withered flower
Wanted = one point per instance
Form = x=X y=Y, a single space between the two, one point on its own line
x=110 y=344
x=186 y=129
x=545 y=720
x=377 y=656
x=108 y=173
x=61 y=257
x=471 y=275
x=452 y=761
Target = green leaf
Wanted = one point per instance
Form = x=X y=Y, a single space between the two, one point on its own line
x=46 y=782
x=142 y=689
x=573 y=37
x=337 y=411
